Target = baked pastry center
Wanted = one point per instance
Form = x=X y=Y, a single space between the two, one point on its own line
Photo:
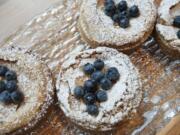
x=98 y=29
x=34 y=82
x=93 y=91
x=120 y=13
x=123 y=98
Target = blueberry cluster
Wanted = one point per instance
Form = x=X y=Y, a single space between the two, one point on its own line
x=120 y=13
x=9 y=92
x=176 y=23
x=94 y=89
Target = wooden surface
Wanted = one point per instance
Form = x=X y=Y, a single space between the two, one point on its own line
x=15 y=13
x=63 y=37
x=173 y=128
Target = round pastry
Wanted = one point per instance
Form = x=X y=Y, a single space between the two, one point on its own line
x=26 y=90
x=168 y=27
x=98 y=88
x=124 y=25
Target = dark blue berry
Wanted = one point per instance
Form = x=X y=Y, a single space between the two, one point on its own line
x=17 y=97
x=101 y=96
x=122 y=5
x=115 y=18
x=113 y=74
x=90 y=86
x=3 y=70
x=79 y=92
x=11 y=86
x=110 y=9
x=5 y=97
x=92 y=109
x=134 y=11
x=123 y=14
x=88 y=68
x=89 y=98
x=106 y=2
x=99 y=64
x=2 y=86
x=10 y=75
x=176 y=21
x=105 y=84
x=97 y=76
x=124 y=22
x=178 y=34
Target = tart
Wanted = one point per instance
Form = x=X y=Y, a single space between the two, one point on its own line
x=117 y=101
x=34 y=81
x=99 y=29
x=168 y=27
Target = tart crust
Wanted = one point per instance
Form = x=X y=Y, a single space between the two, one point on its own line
x=35 y=82
x=98 y=29
x=123 y=98
x=166 y=33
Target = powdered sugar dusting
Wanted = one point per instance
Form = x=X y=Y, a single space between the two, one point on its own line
x=99 y=28
x=35 y=82
x=166 y=13
x=124 y=96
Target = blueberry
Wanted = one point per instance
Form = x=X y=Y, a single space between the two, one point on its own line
x=105 y=84
x=113 y=74
x=124 y=22
x=178 y=34
x=10 y=75
x=92 y=109
x=3 y=70
x=101 y=96
x=99 y=64
x=17 y=97
x=123 y=14
x=176 y=21
x=88 y=68
x=89 y=98
x=97 y=76
x=110 y=9
x=115 y=18
x=79 y=92
x=2 y=86
x=106 y=2
x=5 y=97
x=122 y=5
x=11 y=86
x=90 y=86
x=134 y=11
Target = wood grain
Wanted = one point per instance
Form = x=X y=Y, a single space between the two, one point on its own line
x=173 y=128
